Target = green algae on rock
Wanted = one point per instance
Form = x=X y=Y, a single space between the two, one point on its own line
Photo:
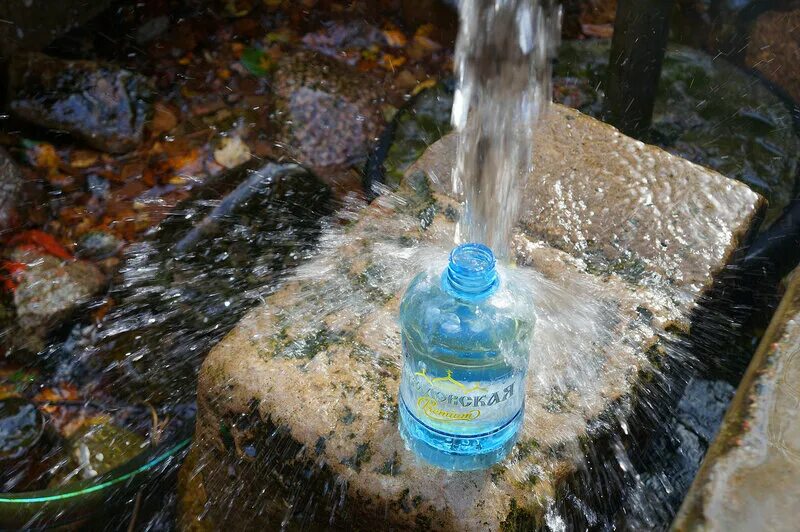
x=309 y=440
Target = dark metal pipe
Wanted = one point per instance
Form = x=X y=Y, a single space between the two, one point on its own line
x=640 y=37
x=776 y=252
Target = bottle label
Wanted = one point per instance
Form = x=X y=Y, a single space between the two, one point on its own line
x=446 y=400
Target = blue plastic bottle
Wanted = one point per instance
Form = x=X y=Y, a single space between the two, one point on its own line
x=466 y=342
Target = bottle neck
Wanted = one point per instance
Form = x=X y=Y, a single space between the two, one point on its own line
x=471 y=272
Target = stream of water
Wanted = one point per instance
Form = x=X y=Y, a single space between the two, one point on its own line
x=503 y=63
x=182 y=289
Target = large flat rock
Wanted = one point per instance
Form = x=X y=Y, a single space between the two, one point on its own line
x=750 y=479
x=297 y=419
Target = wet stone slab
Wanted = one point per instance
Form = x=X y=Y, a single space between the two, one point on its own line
x=750 y=479
x=297 y=414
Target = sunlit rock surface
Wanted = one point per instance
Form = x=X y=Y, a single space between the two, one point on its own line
x=744 y=131
x=750 y=479
x=297 y=415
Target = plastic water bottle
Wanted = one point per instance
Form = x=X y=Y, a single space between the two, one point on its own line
x=466 y=342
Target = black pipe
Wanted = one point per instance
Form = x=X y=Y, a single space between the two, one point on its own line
x=640 y=37
x=776 y=252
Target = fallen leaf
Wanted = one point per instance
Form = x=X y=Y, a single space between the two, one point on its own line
x=59 y=180
x=602 y=31
x=238 y=8
x=427 y=84
x=425 y=30
x=283 y=35
x=395 y=38
x=365 y=65
x=427 y=43
x=63 y=392
x=257 y=62
x=43 y=241
x=389 y=111
x=232 y=152
x=370 y=53
x=392 y=62
x=43 y=155
x=83 y=158
x=8 y=390
x=237 y=48
x=164 y=119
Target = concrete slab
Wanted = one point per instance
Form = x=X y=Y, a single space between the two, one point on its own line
x=297 y=406
x=750 y=479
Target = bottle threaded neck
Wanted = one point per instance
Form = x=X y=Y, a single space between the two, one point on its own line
x=471 y=272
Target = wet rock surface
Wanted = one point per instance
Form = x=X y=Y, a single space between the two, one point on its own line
x=773 y=48
x=100 y=104
x=672 y=458
x=11 y=180
x=21 y=430
x=20 y=427
x=749 y=479
x=707 y=111
x=305 y=386
x=48 y=290
x=329 y=113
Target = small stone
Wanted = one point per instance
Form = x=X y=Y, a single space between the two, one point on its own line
x=97 y=186
x=21 y=426
x=329 y=114
x=151 y=29
x=22 y=456
x=48 y=291
x=11 y=181
x=98 y=103
x=98 y=245
x=83 y=158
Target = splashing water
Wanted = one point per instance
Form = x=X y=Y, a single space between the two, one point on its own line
x=503 y=57
x=589 y=340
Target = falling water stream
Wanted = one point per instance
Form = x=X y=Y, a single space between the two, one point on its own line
x=188 y=284
x=504 y=53
x=587 y=343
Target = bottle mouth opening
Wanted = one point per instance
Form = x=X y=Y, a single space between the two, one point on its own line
x=472 y=258
x=471 y=271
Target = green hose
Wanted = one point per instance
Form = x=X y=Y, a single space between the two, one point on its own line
x=77 y=501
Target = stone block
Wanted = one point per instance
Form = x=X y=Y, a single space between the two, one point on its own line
x=297 y=413
x=750 y=479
